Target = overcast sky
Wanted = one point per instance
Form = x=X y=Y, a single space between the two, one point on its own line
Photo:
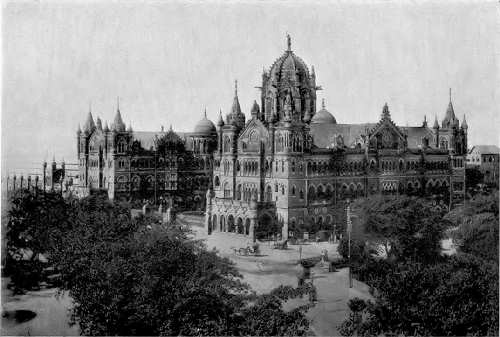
x=168 y=61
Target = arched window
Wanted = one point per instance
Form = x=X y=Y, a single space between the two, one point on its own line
x=269 y=193
x=293 y=190
x=216 y=181
x=283 y=190
x=311 y=194
x=238 y=192
x=227 y=191
x=122 y=146
x=301 y=194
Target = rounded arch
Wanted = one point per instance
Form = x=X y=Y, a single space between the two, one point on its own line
x=230 y=223
x=214 y=222
x=311 y=193
x=222 y=223
x=247 y=226
x=239 y=226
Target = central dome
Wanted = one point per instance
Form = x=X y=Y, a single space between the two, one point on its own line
x=288 y=66
x=205 y=126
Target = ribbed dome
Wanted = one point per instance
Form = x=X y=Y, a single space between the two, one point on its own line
x=289 y=66
x=205 y=126
x=323 y=116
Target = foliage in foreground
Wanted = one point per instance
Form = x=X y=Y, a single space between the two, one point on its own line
x=455 y=297
x=416 y=290
x=135 y=277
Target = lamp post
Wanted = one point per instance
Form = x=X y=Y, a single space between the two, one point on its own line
x=349 y=229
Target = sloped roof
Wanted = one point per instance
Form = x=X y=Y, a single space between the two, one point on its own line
x=147 y=137
x=323 y=133
x=485 y=149
x=416 y=135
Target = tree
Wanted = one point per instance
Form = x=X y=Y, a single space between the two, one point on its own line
x=136 y=276
x=473 y=177
x=477 y=226
x=408 y=228
x=458 y=296
x=34 y=221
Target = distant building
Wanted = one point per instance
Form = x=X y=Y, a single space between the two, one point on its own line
x=486 y=158
x=161 y=167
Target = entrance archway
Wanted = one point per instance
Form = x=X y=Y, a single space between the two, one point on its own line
x=230 y=224
x=214 y=222
x=239 y=226
x=222 y=223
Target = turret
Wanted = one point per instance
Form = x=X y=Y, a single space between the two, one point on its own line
x=118 y=124
x=424 y=123
x=220 y=122
x=99 y=124
x=436 y=124
x=89 y=124
x=464 y=124
x=255 y=110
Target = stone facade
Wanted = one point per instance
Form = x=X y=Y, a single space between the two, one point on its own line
x=165 y=167
x=486 y=158
x=291 y=168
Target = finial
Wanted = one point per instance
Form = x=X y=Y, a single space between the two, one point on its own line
x=323 y=103
x=117 y=103
x=450 y=94
x=235 y=87
x=205 y=113
x=289 y=42
x=90 y=106
x=171 y=128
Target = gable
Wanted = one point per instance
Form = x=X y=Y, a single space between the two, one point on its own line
x=253 y=136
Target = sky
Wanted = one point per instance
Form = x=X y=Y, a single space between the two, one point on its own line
x=168 y=61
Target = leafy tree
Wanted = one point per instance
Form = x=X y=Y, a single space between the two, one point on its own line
x=136 y=276
x=408 y=228
x=33 y=223
x=457 y=297
x=473 y=177
x=477 y=226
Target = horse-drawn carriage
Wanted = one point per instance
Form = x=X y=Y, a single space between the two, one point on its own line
x=248 y=250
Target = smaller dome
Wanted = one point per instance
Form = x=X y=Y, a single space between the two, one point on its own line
x=205 y=126
x=323 y=116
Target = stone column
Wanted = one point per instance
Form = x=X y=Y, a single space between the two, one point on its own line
x=284 y=230
x=253 y=224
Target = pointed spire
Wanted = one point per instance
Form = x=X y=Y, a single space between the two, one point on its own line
x=255 y=109
x=464 y=123
x=385 y=112
x=79 y=130
x=313 y=73
x=449 y=119
x=118 y=124
x=288 y=42
x=220 y=122
x=99 y=124
x=236 y=109
x=106 y=127
x=436 y=124
x=205 y=113
x=424 y=124
x=171 y=129
x=89 y=124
